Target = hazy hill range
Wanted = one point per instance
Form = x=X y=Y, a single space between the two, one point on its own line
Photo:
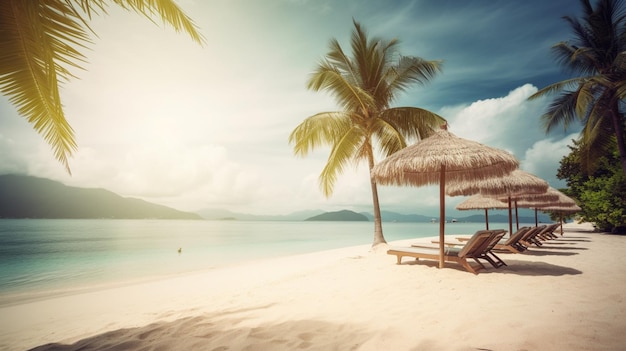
x=344 y=215
x=220 y=214
x=32 y=197
x=495 y=218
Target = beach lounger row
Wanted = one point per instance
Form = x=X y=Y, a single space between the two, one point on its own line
x=524 y=237
x=478 y=247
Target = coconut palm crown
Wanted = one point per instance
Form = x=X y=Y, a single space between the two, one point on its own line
x=364 y=85
x=597 y=54
x=41 y=40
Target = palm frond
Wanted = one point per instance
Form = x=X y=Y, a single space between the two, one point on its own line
x=412 y=122
x=585 y=99
x=620 y=90
x=324 y=128
x=41 y=42
x=342 y=153
x=350 y=96
x=561 y=111
x=338 y=60
x=596 y=143
x=36 y=46
x=167 y=10
x=558 y=87
x=410 y=70
x=388 y=137
x=620 y=61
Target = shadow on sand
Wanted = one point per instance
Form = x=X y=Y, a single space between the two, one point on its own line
x=513 y=267
x=223 y=331
x=552 y=251
x=534 y=269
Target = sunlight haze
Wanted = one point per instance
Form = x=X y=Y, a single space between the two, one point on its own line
x=160 y=118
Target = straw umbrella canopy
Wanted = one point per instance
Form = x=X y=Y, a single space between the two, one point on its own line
x=544 y=197
x=562 y=204
x=559 y=199
x=440 y=158
x=516 y=183
x=550 y=197
x=561 y=210
x=480 y=202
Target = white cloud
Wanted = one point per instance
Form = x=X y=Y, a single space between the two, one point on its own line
x=542 y=159
x=508 y=122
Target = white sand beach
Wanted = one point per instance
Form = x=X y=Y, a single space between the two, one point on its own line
x=567 y=295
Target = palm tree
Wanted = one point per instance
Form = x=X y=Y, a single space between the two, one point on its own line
x=598 y=54
x=40 y=40
x=365 y=85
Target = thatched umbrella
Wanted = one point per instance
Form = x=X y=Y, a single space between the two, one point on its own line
x=546 y=196
x=440 y=158
x=480 y=202
x=516 y=183
x=562 y=204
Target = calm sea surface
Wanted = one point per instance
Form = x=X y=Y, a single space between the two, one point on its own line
x=45 y=257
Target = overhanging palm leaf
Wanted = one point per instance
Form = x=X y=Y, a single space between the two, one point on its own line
x=41 y=41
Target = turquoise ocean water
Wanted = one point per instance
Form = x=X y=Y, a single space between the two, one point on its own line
x=40 y=258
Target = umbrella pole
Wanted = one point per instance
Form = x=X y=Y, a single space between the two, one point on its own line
x=536 y=221
x=442 y=212
x=510 y=218
x=516 y=216
x=487 y=218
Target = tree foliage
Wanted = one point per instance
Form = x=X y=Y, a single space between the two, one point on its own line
x=596 y=54
x=365 y=84
x=602 y=193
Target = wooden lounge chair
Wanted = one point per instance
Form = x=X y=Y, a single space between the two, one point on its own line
x=487 y=254
x=545 y=234
x=465 y=238
x=530 y=238
x=549 y=233
x=478 y=241
x=512 y=244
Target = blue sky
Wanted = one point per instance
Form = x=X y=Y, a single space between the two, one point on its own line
x=160 y=118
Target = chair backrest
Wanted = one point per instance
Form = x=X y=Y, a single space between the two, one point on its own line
x=476 y=242
x=533 y=232
x=553 y=227
x=546 y=229
x=516 y=236
x=497 y=235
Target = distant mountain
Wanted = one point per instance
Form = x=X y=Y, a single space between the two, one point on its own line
x=220 y=214
x=412 y=218
x=32 y=197
x=344 y=215
x=388 y=216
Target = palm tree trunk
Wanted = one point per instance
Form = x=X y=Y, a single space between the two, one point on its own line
x=618 y=125
x=378 y=222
